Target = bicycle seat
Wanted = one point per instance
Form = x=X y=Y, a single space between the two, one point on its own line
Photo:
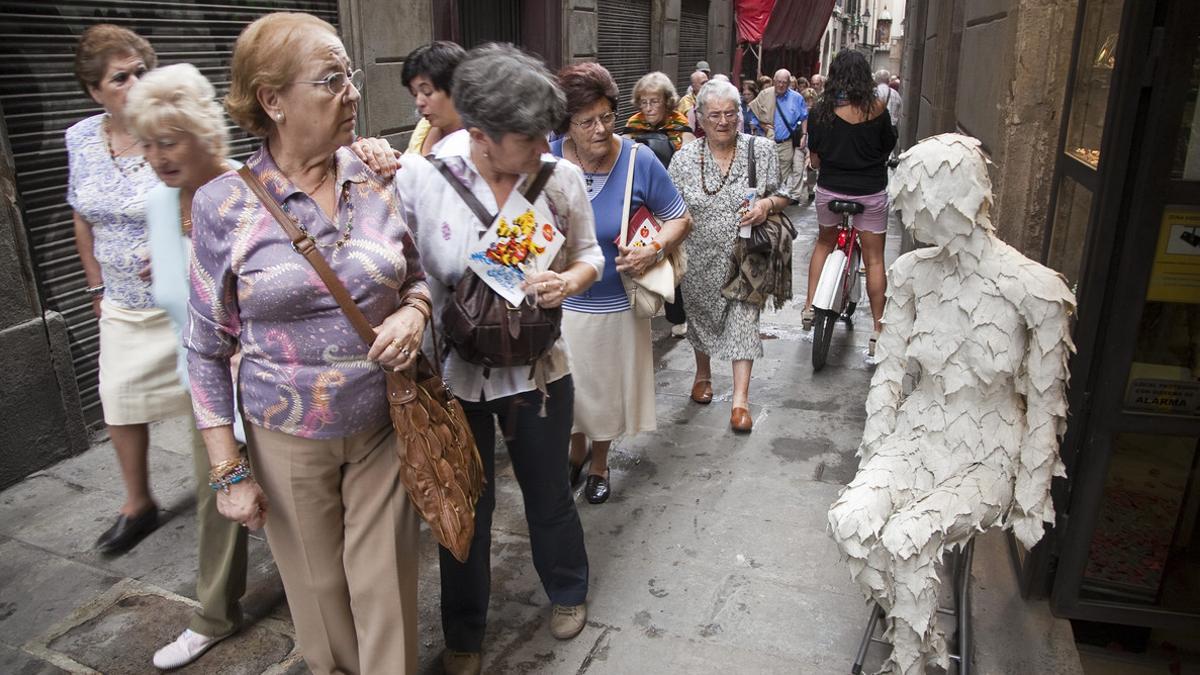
x=845 y=206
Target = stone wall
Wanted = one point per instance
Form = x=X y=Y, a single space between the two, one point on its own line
x=39 y=405
x=997 y=70
x=379 y=34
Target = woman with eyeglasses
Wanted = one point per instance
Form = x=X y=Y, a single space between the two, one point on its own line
x=107 y=187
x=611 y=352
x=664 y=130
x=322 y=472
x=712 y=174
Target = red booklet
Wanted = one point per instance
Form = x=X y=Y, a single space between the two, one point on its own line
x=643 y=228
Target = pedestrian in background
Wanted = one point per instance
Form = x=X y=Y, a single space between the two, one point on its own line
x=809 y=184
x=664 y=130
x=852 y=137
x=325 y=478
x=712 y=174
x=508 y=103
x=612 y=357
x=107 y=186
x=427 y=75
x=657 y=124
x=750 y=123
x=784 y=117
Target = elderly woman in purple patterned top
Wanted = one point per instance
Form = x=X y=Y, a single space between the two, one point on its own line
x=323 y=468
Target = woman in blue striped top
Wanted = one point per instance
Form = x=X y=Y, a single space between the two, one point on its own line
x=611 y=354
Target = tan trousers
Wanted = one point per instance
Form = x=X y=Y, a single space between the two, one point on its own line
x=344 y=537
x=221 y=580
x=786 y=153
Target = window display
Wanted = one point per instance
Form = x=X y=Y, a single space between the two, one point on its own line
x=1093 y=75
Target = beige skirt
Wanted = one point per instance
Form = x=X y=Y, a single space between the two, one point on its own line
x=138 y=378
x=612 y=365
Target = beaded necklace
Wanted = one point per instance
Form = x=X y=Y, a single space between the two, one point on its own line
x=349 y=220
x=113 y=155
x=724 y=176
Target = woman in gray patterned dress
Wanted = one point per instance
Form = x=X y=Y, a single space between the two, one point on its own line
x=712 y=175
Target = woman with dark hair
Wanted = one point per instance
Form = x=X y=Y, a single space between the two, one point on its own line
x=428 y=74
x=508 y=102
x=611 y=352
x=850 y=137
x=106 y=187
x=749 y=120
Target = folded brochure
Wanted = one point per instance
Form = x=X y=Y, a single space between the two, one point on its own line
x=643 y=228
x=521 y=240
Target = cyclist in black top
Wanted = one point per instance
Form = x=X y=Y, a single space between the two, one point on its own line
x=850 y=139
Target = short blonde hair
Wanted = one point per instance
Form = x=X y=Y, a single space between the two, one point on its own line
x=270 y=52
x=177 y=98
x=655 y=83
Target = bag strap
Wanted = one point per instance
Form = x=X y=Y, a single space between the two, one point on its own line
x=752 y=166
x=532 y=192
x=305 y=246
x=628 y=196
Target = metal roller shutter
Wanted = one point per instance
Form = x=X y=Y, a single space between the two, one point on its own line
x=41 y=98
x=693 y=40
x=624 y=38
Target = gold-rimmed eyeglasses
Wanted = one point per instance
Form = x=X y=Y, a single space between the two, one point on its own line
x=603 y=120
x=336 y=82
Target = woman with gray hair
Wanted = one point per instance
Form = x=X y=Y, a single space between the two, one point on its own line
x=713 y=177
x=508 y=103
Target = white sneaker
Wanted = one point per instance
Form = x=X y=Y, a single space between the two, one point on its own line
x=186 y=648
x=679 y=330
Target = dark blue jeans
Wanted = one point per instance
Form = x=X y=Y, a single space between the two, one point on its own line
x=538 y=447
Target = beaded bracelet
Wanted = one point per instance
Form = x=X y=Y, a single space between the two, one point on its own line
x=240 y=472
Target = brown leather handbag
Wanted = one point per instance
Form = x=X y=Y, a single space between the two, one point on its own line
x=439 y=463
x=480 y=324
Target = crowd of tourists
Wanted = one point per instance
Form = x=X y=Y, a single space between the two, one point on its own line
x=208 y=304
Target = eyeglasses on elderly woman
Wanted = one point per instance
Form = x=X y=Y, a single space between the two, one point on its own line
x=603 y=120
x=336 y=82
x=715 y=117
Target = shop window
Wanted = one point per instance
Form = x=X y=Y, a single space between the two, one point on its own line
x=1146 y=547
x=1071 y=216
x=1164 y=377
x=1093 y=76
x=1187 y=151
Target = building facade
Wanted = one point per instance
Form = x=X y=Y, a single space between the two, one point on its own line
x=48 y=336
x=1088 y=108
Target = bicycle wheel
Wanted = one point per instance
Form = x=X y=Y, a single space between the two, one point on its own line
x=822 y=334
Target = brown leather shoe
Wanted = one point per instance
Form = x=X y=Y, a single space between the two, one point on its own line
x=741 y=421
x=461 y=663
x=702 y=392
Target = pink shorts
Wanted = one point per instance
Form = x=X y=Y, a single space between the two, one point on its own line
x=874 y=217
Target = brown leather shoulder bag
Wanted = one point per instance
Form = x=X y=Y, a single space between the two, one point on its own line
x=439 y=463
x=480 y=324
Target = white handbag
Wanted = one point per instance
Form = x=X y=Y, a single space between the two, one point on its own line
x=650 y=291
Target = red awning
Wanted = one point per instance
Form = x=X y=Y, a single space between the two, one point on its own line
x=752 y=18
x=795 y=24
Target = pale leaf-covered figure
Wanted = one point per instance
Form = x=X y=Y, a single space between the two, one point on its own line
x=984 y=331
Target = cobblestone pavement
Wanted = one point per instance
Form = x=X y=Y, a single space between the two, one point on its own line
x=711 y=556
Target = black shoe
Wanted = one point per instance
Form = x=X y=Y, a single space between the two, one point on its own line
x=127 y=531
x=597 y=490
x=576 y=471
